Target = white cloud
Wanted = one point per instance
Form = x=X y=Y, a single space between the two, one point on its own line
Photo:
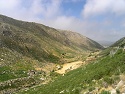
x=49 y=8
x=7 y=7
x=8 y=4
x=97 y=7
x=123 y=25
x=74 y=1
x=49 y=12
x=35 y=10
x=62 y=22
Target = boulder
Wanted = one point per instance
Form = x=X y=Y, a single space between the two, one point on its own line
x=113 y=91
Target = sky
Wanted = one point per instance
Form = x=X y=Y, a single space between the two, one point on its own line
x=100 y=20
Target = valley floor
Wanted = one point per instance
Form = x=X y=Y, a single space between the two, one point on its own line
x=101 y=76
x=70 y=66
x=74 y=65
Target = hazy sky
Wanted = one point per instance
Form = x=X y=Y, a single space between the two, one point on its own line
x=102 y=20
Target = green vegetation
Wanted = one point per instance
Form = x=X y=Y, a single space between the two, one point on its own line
x=19 y=83
x=40 y=42
x=105 y=92
x=28 y=46
x=104 y=70
x=120 y=43
x=25 y=45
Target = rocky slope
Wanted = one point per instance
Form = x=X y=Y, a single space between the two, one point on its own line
x=41 y=42
x=27 y=47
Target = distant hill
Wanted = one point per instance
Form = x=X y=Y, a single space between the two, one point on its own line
x=120 y=43
x=106 y=44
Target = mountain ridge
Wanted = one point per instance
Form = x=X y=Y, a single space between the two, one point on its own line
x=21 y=31
x=29 y=49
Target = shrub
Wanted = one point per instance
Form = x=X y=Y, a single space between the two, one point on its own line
x=105 y=92
x=108 y=80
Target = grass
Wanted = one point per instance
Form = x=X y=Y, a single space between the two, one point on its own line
x=25 y=46
x=40 y=42
x=83 y=77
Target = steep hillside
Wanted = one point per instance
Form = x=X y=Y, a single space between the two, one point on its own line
x=41 y=42
x=27 y=48
x=81 y=41
x=120 y=43
x=114 y=47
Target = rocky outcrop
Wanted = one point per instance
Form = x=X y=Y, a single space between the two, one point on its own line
x=120 y=87
x=7 y=87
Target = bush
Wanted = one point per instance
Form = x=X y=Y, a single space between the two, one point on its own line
x=105 y=92
x=117 y=91
x=91 y=89
x=108 y=80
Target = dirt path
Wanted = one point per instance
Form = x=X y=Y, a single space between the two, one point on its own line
x=70 y=66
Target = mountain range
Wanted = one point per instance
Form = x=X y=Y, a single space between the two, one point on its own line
x=40 y=42
x=28 y=50
x=27 y=47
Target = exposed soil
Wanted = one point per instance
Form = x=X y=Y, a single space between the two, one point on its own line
x=73 y=65
x=70 y=66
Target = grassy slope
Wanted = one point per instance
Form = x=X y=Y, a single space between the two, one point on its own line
x=78 y=79
x=119 y=43
x=14 y=64
x=25 y=46
x=40 y=42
